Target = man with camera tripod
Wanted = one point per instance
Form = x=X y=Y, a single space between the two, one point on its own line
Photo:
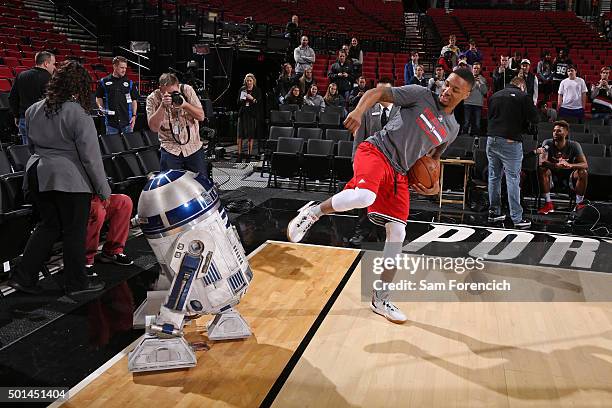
x=173 y=111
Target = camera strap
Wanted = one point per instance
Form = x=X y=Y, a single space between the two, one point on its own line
x=176 y=136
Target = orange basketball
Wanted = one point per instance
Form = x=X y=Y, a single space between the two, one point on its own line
x=425 y=171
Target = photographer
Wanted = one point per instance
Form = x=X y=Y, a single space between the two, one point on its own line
x=173 y=111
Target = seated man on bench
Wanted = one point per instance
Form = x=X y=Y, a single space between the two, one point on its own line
x=562 y=164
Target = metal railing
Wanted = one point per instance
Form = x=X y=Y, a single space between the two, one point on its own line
x=138 y=64
x=70 y=14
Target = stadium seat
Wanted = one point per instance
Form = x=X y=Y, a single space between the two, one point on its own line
x=317 y=163
x=286 y=160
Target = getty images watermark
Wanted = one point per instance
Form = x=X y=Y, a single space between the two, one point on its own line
x=411 y=264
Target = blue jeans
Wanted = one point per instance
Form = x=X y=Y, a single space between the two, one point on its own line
x=505 y=155
x=22 y=131
x=601 y=115
x=471 y=116
x=114 y=131
x=571 y=113
x=195 y=162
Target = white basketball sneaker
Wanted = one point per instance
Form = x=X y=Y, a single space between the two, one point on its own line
x=387 y=309
x=299 y=226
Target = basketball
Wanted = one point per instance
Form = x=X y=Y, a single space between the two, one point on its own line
x=425 y=171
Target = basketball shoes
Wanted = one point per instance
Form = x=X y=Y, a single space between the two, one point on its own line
x=386 y=308
x=299 y=226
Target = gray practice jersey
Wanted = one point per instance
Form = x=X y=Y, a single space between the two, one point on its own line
x=419 y=126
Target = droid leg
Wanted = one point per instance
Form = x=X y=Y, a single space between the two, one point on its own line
x=163 y=346
x=228 y=325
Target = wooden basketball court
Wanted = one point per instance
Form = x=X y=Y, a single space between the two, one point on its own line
x=317 y=344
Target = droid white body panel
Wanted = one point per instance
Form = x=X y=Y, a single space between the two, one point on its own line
x=200 y=253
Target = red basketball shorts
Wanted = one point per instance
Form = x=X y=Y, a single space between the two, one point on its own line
x=372 y=171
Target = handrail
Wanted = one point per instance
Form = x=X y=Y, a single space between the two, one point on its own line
x=132 y=52
x=88 y=31
x=83 y=27
x=140 y=65
x=82 y=16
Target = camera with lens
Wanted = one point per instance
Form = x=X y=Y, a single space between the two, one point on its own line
x=177 y=98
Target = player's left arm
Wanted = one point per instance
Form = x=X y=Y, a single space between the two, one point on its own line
x=437 y=151
x=581 y=163
x=419 y=188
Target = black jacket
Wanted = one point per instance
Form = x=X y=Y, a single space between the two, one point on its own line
x=344 y=83
x=501 y=80
x=253 y=107
x=416 y=81
x=510 y=110
x=354 y=97
x=283 y=85
x=29 y=87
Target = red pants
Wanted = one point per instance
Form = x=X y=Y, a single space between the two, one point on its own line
x=117 y=213
x=372 y=171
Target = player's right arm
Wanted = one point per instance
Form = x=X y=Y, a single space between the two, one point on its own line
x=369 y=99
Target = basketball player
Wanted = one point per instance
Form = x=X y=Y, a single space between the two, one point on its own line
x=425 y=125
x=562 y=163
x=373 y=120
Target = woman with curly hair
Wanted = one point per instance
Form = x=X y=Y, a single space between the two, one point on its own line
x=65 y=169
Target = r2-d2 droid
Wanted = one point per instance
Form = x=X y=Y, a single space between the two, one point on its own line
x=204 y=269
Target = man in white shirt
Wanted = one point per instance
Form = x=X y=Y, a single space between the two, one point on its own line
x=572 y=97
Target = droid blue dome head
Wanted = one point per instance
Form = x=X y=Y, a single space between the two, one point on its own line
x=163 y=178
x=174 y=200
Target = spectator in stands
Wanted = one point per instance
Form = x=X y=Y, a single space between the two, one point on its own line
x=608 y=29
x=419 y=77
x=410 y=67
x=117 y=210
x=284 y=82
x=562 y=163
x=332 y=97
x=515 y=62
x=341 y=73
x=345 y=48
x=452 y=47
x=313 y=98
x=474 y=102
x=304 y=57
x=436 y=83
x=294 y=97
x=472 y=54
x=373 y=120
x=560 y=68
x=510 y=110
x=545 y=74
x=462 y=64
x=29 y=87
x=177 y=125
x=445 y=61
x=306 y=81
x=293 y=32
x=355 y=55
x=572 y=98
x=65 y=169
x=601 y=94
x=357 y=92
x=502 y=74
x=530 y=79
x=545 y=113
x=117 y=97
x=248 y=113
